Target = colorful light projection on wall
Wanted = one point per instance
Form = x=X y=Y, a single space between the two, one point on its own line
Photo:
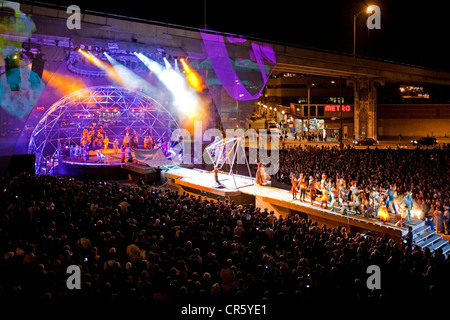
x=221 y=62
x=20 y=86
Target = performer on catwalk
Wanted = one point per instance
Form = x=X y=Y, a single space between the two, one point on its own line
x=390 y=196
x=333 y=196
x=408 y=200
x=303 y=185
x=312 y=189
x=261 y=175
x=383 y=214
x=216 y=178
x=324 y=197
x=294 y=182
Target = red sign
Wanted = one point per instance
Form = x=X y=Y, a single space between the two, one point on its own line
x=40 y=108
x=337 y=107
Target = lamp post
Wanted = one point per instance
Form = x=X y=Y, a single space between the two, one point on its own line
x=309 y=104
x=369 y=10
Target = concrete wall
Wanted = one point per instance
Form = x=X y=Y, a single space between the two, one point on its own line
x=414 y=127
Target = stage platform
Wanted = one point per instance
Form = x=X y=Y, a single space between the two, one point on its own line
x=112 y=169
x=243 y=189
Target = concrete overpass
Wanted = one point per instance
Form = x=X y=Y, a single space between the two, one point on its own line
x=99 y=29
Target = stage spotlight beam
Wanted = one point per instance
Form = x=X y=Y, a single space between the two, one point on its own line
x=185 y=98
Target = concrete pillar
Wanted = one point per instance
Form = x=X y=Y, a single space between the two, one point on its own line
x=365 y=107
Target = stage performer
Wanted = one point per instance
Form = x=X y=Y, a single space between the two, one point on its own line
x=383 y=213
x=333 y=196
x=135 y=140
x=303 y=185
x=85 y=131
x=261 y=175
x=103 y=158
x=105 y=143
x=324 y=198
x=116 y=145
x=357 y=201
x=130 y=157
x=312 y=189
x=147 y=142
x=408 y=200
x=391 y=193
x=126 y=140
x=353 y=190
x=85 y=154
x=216 y=178
x=323 y=182
x=259 y=178
x=294 y=182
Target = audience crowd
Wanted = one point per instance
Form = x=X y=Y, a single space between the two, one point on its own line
x=148 y=244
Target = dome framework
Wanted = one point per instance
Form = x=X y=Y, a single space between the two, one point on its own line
x=117 y=110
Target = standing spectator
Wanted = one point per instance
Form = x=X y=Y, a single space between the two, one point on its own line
x=409 y=238
x=447 y=220
x=439 y=218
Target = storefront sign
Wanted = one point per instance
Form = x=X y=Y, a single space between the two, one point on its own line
x=337 y=107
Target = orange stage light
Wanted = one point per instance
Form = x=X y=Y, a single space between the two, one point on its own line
x=192 y=77
x=63 y=83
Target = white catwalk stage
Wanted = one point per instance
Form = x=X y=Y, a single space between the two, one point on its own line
x=243 y=189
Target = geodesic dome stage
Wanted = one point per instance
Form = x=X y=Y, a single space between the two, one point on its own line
x=115 y=109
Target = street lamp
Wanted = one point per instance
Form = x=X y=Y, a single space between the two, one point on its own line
x=309 y=98
x=368 y=11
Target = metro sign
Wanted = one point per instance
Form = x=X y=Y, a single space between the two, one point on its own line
x=337 y=107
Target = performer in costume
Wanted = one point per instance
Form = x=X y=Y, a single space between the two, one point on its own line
x=343 y=199
x=261 y=175
x=126 y=140
x=116 y=146
x=135 y=140
x=103 y=158
x=383 y=213
x=101 y=132
x=354 y=190
x=391 y=193
x=333 y=196
x=303 y=185
x=357 y=201
x=408 y=200
x=324 y=198
x=216 y=178
x=294 y=182
x=147 y=142
x=324 y=181
x=312 y=189
x=105 y=143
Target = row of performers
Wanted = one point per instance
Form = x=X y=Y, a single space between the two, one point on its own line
x=100 y=141
x=372 y=202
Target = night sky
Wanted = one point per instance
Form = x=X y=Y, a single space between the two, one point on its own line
x=411 y=32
